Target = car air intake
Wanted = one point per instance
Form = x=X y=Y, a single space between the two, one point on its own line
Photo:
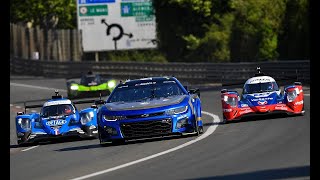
x=141 y=129
x=144 y=115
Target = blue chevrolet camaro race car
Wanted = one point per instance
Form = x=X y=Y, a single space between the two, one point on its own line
x=148 y=108
x=58 y=117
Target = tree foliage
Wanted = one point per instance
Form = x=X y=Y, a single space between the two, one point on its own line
x=44 y=13
x=200 y=30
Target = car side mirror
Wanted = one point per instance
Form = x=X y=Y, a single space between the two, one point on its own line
x=20 y=113
x=195 y=91
x=94 y=106
x=99 y=102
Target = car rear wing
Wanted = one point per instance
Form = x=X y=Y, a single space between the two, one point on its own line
x=227 y=90
x=28 y=107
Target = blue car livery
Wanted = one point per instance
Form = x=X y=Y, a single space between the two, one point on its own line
x=58 y=117
x=147 y=108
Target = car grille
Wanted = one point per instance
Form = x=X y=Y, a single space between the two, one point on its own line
x=146 y=128
x=145 y=115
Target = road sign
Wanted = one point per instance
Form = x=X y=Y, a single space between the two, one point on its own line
x=95 y=1
x=97 y=10
x=116 y=24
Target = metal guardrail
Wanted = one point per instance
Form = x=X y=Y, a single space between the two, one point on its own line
x=198 y=73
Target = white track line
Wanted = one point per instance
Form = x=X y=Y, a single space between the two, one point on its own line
x=30 y=148
x=209 y=131
x=36 y=87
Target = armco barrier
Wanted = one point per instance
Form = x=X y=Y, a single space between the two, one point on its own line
x=199 y=73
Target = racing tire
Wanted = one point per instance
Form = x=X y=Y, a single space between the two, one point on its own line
x=200 y=129
x=224 y=120
x=197 y=129
x=303 y=111
x=118 y=142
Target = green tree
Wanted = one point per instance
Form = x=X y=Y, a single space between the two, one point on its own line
x=214 y=46
x=256 y=28
x=45 y=13
x=295 y=36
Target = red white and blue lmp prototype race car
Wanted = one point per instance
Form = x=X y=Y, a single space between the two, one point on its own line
x=261 y=96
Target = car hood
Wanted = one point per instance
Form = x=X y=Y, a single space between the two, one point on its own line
x=146 y=104
x=261 y=99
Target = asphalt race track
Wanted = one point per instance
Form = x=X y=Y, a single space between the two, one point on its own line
x=262 y=148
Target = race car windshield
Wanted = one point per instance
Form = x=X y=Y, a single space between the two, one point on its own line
x=87 y=80
x=260 y=87
x=145 y=91
x=57 y=110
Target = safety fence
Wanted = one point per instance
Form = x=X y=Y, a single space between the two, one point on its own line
x=199 y=73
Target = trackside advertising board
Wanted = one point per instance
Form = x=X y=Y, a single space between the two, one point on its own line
x=116 y=24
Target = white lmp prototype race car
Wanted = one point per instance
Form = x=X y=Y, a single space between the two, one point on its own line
x=261 y=96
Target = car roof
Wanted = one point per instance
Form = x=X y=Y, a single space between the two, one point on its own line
x=52 y=102
x=134 y=81
x=260 y=79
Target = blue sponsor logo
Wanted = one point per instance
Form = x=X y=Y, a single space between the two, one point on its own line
x=56 y=122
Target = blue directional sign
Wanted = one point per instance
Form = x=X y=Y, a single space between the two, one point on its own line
x=95 y=1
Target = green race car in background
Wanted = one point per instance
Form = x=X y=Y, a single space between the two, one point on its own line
x=90 y=85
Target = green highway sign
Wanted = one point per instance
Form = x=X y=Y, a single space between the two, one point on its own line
x=136 y=9
x=96 y=10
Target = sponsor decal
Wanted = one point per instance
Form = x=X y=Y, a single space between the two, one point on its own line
x=262 y=102
x=56 y=122
x=56 y=131
x=227 y=110
x=92 y=84
x=260 y=79
x=123 y=86
x=261 y=99
x=165 y=121
x=144 y=103
x=145 y=115
x=262 y=95
x=244 y=105
x=281 y=108
x=146 y=83
x=57 y=102
x=243 y=111
x=298 y=102
x=169 y=82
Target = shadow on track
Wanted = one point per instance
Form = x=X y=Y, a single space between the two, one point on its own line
x=135 y=141
x=262 y=118
x=282 y=173
x=52 y=141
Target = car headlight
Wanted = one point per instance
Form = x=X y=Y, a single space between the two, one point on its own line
x=182 y=123
x=178 y=110
x=74 y=87
x=86 y=117
x=291 y=95
x=113 y=118
x=111 y=84
x=232 y=101
x=24 y=123
x=225 y=98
